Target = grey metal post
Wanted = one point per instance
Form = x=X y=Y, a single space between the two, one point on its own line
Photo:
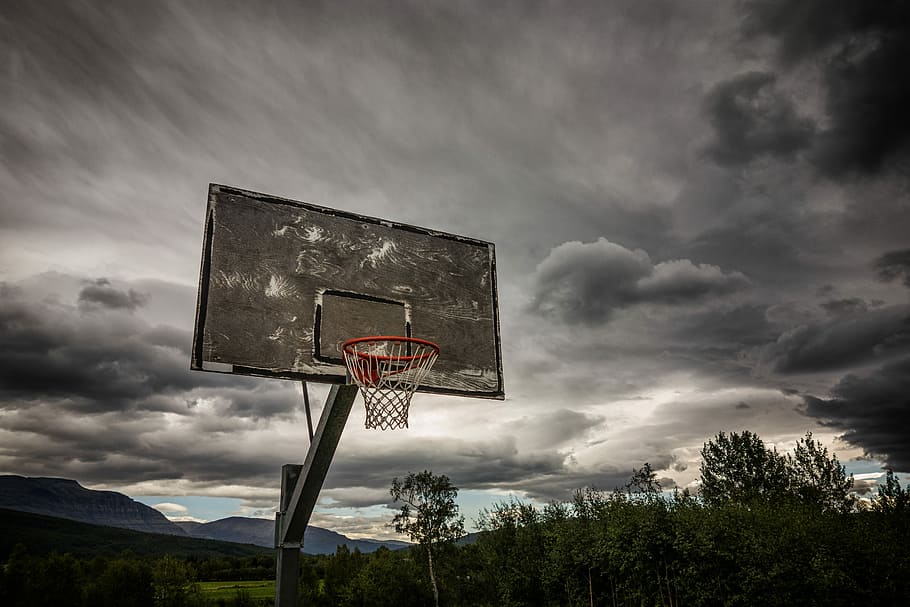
x=291 y=523
x=288 y=558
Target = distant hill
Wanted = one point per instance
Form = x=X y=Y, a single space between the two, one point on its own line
x=68 y=499
x=44 y=534
x=262 y=533
x=188 y=526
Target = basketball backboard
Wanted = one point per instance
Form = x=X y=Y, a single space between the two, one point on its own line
x=283 y=284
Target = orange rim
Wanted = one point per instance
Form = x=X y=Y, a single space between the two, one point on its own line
x=348 y=347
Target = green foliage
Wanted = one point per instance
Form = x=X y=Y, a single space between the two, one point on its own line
x=515 y=543
x=891 y=496
x=739 y=469
x=429 y=514
x=603 y=548
x=238 y=593
x=644 y=482
x=388 y=579
x=817 y=478
x=123 y=581
x=46 y=534
x=173 y=583
x=56 y=580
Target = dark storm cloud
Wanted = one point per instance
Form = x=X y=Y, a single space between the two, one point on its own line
x=430 y=109
x=720 y=336
x=862 y=338
x=894 y=264
x=813 y=25
x=863 y=47
x=106 y=448
x=98 y=360
x=478 y=464
x=101 y=357
x=751 y=118
x=584 y=283
x=563 y=487
x=867 y=102
x=874 y=412
x=769 y=244
x=847 y=306
x=475 y=463
x=77 y=55
x=102 y=293
x=556 y=427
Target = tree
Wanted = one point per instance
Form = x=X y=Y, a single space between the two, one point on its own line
x=818 y=478
x=172 y=580
x=429 y=514
x=644 y=482
x=891 y=496
x=739 y=468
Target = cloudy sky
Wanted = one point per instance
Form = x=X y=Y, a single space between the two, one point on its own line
x=701 y=212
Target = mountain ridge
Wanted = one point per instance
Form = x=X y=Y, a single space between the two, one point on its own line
x=67 y=499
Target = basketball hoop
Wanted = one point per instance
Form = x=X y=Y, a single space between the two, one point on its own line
x=388 y=370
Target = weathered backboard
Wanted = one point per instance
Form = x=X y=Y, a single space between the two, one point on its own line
x=283 y=284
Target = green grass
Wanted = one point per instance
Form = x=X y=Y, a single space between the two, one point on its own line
x=256 y=590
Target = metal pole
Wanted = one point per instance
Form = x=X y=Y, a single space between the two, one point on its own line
x=288 y=564
x=306 y=405
x=318 y=458
x=300 y=489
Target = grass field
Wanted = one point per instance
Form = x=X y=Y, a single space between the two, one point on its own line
x=256 y=590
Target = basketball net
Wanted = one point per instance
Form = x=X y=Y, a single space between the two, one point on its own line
x=388 y=370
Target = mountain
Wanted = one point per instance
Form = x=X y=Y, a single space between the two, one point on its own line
x=188 y=526
x=261 y=532
x=45 y=534
x=68 y=499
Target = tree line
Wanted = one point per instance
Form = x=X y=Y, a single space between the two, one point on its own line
x=764 y=529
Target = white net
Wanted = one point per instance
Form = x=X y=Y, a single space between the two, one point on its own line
x=388 y=371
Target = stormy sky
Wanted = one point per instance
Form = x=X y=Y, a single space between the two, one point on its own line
x=701 y=213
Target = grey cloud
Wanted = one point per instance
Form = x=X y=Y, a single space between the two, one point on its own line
x=107 y=359
x=98 y=362
x=543 y=474
x=841 y=307
x=476 y=464
x=874 y=412
x=584 y=283
x=863 y=338
x=811 y=26
x=114 y=448
x=867 y=102
x=864 y=487
x=727 y=330
x=428 y=110
x=680 y=281
x=604 y=478
x=751 y=118
x=894 y=264
x=863 y=48
x=101 y=293
x=774 y=244
x=355 y=497
x=554 y=428
x=563 y=487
